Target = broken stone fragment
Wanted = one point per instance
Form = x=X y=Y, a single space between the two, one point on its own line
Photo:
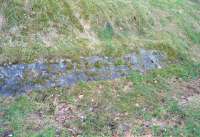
x=42 y=76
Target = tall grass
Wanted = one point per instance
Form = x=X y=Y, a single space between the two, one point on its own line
x=132 y=25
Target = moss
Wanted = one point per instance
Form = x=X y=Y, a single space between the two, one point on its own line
x=171 y=52
x=119 y=62
x=98 y=64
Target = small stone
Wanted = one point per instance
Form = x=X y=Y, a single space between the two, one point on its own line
x=7 y=133
x=159 y=67
x=126 y=114
x=155 y=81
x=80 y=96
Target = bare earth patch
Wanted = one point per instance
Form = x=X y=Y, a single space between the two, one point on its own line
x=35 y=121
x=65 y=115
x=50 y=38
x=185 y=92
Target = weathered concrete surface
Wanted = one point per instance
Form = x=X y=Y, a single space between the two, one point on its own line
x=22 y=78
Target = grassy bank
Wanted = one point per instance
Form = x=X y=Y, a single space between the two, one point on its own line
x=71 y=29
x=162 y=102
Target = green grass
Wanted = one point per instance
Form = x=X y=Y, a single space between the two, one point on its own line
x=112 y=103
x=117 y=27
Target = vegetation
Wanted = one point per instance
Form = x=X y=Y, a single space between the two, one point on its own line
x=159 y=103
x=54 y=29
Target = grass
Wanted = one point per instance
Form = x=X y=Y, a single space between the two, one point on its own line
x=141 y=104
x=102 y=108
x=116 y=27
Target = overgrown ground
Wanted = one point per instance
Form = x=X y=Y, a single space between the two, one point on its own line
x=159 y=103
